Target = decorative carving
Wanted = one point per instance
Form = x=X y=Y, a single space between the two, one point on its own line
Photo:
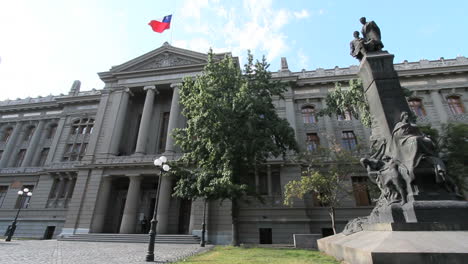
x=165 y=60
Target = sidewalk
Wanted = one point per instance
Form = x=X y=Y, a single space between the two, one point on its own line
x=64 y=252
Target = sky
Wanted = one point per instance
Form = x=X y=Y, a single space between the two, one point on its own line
x=46 y=45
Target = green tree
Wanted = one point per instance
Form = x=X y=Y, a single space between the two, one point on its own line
x=325 y=174
x=352 y=99
x=232 y=126
x=453 y=146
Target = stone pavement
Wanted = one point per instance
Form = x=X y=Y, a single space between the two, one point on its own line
x=66 y=252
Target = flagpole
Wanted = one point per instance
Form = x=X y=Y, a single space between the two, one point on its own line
x=173 y=13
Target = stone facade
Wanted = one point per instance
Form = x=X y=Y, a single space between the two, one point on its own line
x=87 y=156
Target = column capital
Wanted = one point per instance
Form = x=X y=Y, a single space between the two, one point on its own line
x=176 y=85
x=128 y=90
x=151 y=87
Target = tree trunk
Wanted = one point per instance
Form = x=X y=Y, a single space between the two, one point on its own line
x=331 y=211
x=235 y=214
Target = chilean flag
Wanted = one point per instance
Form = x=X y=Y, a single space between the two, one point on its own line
x=161 y=26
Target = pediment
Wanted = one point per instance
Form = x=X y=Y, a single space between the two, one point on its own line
x=166 y=56
x=165 y=60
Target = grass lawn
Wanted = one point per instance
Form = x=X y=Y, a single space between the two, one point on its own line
x=239 y=255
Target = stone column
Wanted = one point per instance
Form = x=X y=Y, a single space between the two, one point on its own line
x=270 y=182
x=328 y=124
x=291 y=112
x=173 y=118
x=439 y=106
x=10 y=146
x=33 y=144
x=129 y=218
x=145 y=120
x=163 y=206
x=101 y=205
x=120 y=121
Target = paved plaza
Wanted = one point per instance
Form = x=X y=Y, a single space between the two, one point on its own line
x=64 y=252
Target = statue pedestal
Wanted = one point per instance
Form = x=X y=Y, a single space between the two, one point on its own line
x=383 y=92
x=402 y=247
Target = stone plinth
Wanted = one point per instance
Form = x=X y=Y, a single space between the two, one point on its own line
x=402 y=247
x=383 y=92
x=308 y=241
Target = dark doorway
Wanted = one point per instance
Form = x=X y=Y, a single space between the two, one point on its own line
x=49 y=232
x=327 y=232
x=265 y=236
x=184 y=216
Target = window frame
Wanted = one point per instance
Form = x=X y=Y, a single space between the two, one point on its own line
x=308 y=113
x=455 y=104
x=417 y=106
x=349 y=143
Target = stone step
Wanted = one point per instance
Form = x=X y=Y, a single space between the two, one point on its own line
x=132 y=238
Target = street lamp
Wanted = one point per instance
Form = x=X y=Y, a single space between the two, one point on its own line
x=24 y=193
x=163 y=167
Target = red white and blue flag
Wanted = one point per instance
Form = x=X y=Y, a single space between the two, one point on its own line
x=161 y=26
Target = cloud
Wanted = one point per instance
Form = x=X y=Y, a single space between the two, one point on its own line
x=301 y=14
x=303 y=60
x=192 y=8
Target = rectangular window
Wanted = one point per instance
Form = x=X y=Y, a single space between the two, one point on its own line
x=276 y=182
x=43 y=157
x=313 y=142
x=263 y=183
x=348 y=140
x=53 y=191
x=1 y=154
x=82 y=150
x=71 y=188
x=23 y=200
x=163 y=131
x=3 y=192
x=361 y=191
x=20 y=158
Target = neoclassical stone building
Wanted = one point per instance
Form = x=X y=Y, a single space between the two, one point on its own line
x=88 y=156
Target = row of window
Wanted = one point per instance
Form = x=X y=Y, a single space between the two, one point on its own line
x=454 y=103
x=60 y=194
x=309 y=115
x=28 y=133
x=21 y=201
x=348 y=141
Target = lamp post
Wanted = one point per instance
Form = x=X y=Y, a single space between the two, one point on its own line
x=24 y=193
x=163 y=167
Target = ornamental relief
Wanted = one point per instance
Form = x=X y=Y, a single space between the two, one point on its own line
x=165 y=60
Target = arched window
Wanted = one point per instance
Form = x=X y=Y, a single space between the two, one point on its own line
x=83 y=126
x=416 y=106
x=7 y=134
x=455 y=104
x=348 y=140
x=308 y=114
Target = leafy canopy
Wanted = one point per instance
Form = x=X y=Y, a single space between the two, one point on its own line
x=232 y=125
x=351 y=99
